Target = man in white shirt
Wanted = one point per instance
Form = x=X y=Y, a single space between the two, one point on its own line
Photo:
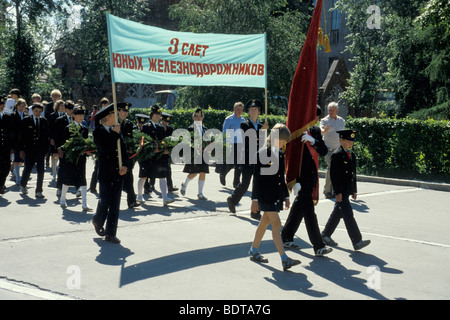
x=232 y=130
x=329 y=125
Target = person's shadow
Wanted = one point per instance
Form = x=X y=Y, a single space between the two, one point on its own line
x=112 y=254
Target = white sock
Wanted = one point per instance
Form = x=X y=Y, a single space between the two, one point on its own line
x=163 y=187
x=83 y=190
x=140 y=188
x=201 y=184
x=54 y=166
x=187 y=181
x=62 y=199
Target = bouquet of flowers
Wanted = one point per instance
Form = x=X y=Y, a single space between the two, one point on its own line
x=77 y=146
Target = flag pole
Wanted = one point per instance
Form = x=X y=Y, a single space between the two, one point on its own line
x=265 y=88
x=116 y=116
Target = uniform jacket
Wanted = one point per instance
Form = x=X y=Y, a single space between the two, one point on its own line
x=33 y=139
x=7 y=133
x=249 y=155
x=58 y=130
x=309 y=176
x=83 y=130
x=17 y=126
x=127 y=128
x=51 y=124
x=156 y=132
x=269 y=188
x=108 y=159
x=343 y=172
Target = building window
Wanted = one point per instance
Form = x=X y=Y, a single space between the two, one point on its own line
x=335 y=23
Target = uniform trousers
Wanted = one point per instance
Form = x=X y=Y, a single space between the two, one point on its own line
x=128 y=186
x=303 y=207
x=108 y=206
x=343 y=210
x=5 y=166
x=247 y=174
x=31 y=159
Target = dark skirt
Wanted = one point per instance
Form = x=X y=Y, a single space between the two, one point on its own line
x=277 y=206
x=196 y=168
x=73 y=174
x=156 y=167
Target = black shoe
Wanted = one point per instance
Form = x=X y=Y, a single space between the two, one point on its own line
x=361 y=244
x=173 y=189
x=289 y=263
x=256 y=216
x=231 y=205
x=222 y=180
x=134 y=204
x=99 y=230
x=112 y=239
x=93 y=190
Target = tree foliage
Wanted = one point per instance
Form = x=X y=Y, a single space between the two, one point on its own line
x=407 y=54
x=26 y=42
x=285 y=24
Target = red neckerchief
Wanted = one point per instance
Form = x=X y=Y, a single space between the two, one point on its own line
x=315 y=155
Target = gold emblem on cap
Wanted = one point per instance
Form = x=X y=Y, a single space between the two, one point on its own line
x=352 y=135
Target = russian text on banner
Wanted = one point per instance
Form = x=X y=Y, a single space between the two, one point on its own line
x=146 y=54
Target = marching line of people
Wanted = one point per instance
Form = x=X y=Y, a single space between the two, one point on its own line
x=28 y=139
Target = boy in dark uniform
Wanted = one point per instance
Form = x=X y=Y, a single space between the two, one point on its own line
x=127 y=128
x=110 y=175
x=343 y=179
x=6 y=143
x=33 y=147
x=306 y=192
x=168 y=130
x=253 y=108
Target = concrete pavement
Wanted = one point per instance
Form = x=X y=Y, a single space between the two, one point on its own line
x=197 y=249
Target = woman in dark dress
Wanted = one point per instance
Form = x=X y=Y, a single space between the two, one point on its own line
x=269 y=192
x=75 y=173
x=192 y=169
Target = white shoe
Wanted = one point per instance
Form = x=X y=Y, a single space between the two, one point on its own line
x=63 y=204
x=167 y=201
x=140 y=199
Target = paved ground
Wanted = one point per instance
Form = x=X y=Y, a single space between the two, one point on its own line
x=198 y=250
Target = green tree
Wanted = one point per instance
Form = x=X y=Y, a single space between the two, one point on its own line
x=367 y=43
x=284 y=22
x=23 y=56
x=89 y=42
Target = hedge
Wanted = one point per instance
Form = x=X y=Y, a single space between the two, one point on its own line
x=182 y=118
x=403 y=148
x=398 y=148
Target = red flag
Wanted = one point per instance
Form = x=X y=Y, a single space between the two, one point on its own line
x=303 y=98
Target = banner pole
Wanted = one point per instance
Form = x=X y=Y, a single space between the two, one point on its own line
x=116 y=116
x=265 y=93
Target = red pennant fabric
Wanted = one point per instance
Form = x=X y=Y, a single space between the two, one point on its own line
x=302 y=106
